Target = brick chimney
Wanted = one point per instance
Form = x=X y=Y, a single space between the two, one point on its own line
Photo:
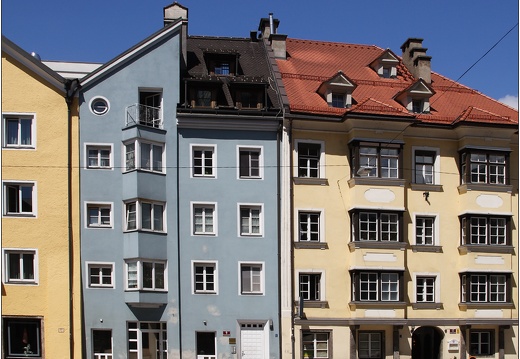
x=172 y=13
x=268 y=28
x=416 y=60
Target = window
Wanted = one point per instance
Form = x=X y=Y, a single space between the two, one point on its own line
x=102 y=343
x=251 y=278
x=478 y=166
x=99 y=215
x=481 y=342
x=145 y=216
x=99 y=106
x=309 y=226
x=203 y=98
x=371 y=345
x=20 y=266
x=100 y=275
x=147 y=340
x=315 y=344
x=424 y=231
x=204 y=219
x=310 y=286
x=19 y=131
x=146 y=275
x=203 y=161
x=142 y=155
x=485 y=230
x=205 y=278
x=249 y=98
x=485 y=288
x=378 y=160
x=425 y=166
x=222 y=68
x=418 y=106
x=250 y=220
x=425 y=289
x=309 y=160
x=19 y=199
x=371 y=286
x=249 y=163
x=99 y=156
x=22 y=337
x=206 y=345
x=376 y=226
x=338 y=100
x=149 y=108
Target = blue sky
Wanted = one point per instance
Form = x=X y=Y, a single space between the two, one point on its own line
x=457 y=33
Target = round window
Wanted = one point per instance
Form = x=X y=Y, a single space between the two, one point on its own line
x=99 y=106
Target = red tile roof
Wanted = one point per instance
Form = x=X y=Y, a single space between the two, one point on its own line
x=310 y=63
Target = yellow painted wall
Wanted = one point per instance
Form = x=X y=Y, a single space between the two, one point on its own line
x=48 y=231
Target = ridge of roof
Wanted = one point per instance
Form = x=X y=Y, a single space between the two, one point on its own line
x=337 y=43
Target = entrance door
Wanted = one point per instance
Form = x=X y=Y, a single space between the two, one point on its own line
x=426 y=342
x=252 y=341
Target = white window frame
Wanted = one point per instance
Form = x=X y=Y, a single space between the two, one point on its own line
x=316 y=348
x=250 y=206
x=437 y=285
x=100 y=205
x=98 y=146
x=88 y=279
x=321 y=164
x=436 y=227
x=213 y=205
x=139 y=274
x=371 y=337
x=214 y=264
x=139 y=215
x=20 y=116
x=321 y=272
x=34 y=192
x=436 y=163
x=242 y=292
x=203 y=147
x=161 y=333
x=138 y=142
x=260 y=151
x=321 y=224
x=21 y=281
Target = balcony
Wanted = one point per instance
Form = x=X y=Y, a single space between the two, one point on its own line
x=102 y=355
x=143 y=115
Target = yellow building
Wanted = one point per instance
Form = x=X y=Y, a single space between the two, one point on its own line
x=403 y=207
x=40 y=248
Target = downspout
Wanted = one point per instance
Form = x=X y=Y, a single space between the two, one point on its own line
x=71 y=87
x=179 y=246
x=291 y=230
x=279 y=206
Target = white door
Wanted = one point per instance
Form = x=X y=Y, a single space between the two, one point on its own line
x=252 y=341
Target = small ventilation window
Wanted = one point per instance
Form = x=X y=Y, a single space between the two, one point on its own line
x=99 y=106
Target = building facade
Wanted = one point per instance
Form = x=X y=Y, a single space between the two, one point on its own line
x=40 y=276
x=404 y=206
x=129 y=234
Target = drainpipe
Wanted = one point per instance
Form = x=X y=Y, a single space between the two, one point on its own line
x=71 y=87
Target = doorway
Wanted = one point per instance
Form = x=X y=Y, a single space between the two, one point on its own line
x=426 y=343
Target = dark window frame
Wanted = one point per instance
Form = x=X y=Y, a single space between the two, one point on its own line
x=355 y=228
x=466 y=229
x=33 y=331
x=309 y=159
x=356 y=285
x=475 y=351
x=315 y=333
x=360 y=171
x=466 y=174
x=466 y=289
x=382 y=344
x=313 y=282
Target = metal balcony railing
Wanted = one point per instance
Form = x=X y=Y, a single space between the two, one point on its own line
x=102 y=355
x=144 y=115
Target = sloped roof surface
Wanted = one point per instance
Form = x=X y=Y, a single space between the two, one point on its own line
x=310 y=63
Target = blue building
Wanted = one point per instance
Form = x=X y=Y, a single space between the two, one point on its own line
x=128 y=198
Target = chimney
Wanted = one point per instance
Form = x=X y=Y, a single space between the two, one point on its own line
x=416 y=60
x=172 y=13
x=269 y=31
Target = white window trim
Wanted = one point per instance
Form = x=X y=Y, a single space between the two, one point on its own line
x=239 y=224
x=213 y=147
x=260 y=149
x=137 y=155
x=436 y=227
x=99 y=204
x=5 y=279
x=204 y=262
x=34 y=213
x=138 y=215
x=262 y=278
x=86 y=145
x=437 y=289
x=323 y=294
x=139 y=262
x=95 y=98
x=322 y=156
x=322 y=235
x=31 y=115
x=436 y=163
x=215 y=218
x=89 y=264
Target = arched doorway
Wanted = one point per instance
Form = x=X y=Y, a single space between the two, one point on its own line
x=426 y=343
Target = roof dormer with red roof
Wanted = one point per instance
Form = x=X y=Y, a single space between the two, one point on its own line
x=337 y=91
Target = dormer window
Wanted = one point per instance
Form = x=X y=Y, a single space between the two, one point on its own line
x=337 y=91
x=250 y=97
x=203 y=98
x=221 y=64
x=416 y=98
x=386 y=65
x=222 y=68
x=418 y=106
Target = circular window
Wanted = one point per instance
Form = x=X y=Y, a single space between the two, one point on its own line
x=99 y=105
